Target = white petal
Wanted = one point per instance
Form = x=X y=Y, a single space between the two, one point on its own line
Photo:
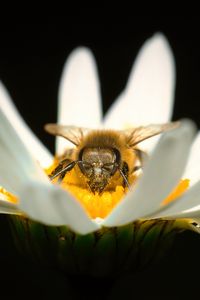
x=192 y=170
x=187 y=205
x=161 y=175
x=79 y=93
x=51 y=205
x=148 y=97
x=33 y=144
x=8 y=207
x=16 y=164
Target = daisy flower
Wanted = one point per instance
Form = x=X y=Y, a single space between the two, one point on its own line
x=110 y=231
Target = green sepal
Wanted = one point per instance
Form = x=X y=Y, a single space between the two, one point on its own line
x=65 y=255
x=104 y=254
x=124 y=240
x=83 y=249
x=107 y=252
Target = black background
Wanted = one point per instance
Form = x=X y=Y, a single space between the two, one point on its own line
x=32 y=55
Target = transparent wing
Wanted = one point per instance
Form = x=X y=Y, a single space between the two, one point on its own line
x=139 y=134
x=72 y=133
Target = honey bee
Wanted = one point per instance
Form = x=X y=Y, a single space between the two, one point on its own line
x=101 y=155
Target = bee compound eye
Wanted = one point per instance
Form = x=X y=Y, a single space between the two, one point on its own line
x=86 y=167
x=108 y=167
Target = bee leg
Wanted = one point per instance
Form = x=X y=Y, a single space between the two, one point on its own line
x=62 y=175
x=59 y=170
x=124 y=173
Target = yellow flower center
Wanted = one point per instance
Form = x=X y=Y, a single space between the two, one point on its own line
x=97 y=205
x=178 y=191
x=100 y=205
x=8 y=196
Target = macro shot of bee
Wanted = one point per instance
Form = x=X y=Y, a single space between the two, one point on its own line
x=109 y=199
x=103 y=159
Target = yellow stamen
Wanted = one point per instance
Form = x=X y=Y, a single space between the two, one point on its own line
x=178 y=191
x=100 y=205
x=8 y=196
x=97 y=205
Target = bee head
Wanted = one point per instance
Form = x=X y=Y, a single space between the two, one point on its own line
x=99 y=163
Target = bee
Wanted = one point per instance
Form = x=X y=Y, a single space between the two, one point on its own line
x=102 y=155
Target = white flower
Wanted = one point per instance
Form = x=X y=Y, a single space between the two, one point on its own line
x=148 y=98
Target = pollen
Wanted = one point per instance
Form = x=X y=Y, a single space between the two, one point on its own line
x=178 y=191
x=100 y=205
x=97 y=205
x=8 y=196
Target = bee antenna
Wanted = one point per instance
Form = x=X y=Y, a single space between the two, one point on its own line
x=125 y=178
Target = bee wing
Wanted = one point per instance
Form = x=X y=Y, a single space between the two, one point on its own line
x=139 y=134
x=72 y=133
